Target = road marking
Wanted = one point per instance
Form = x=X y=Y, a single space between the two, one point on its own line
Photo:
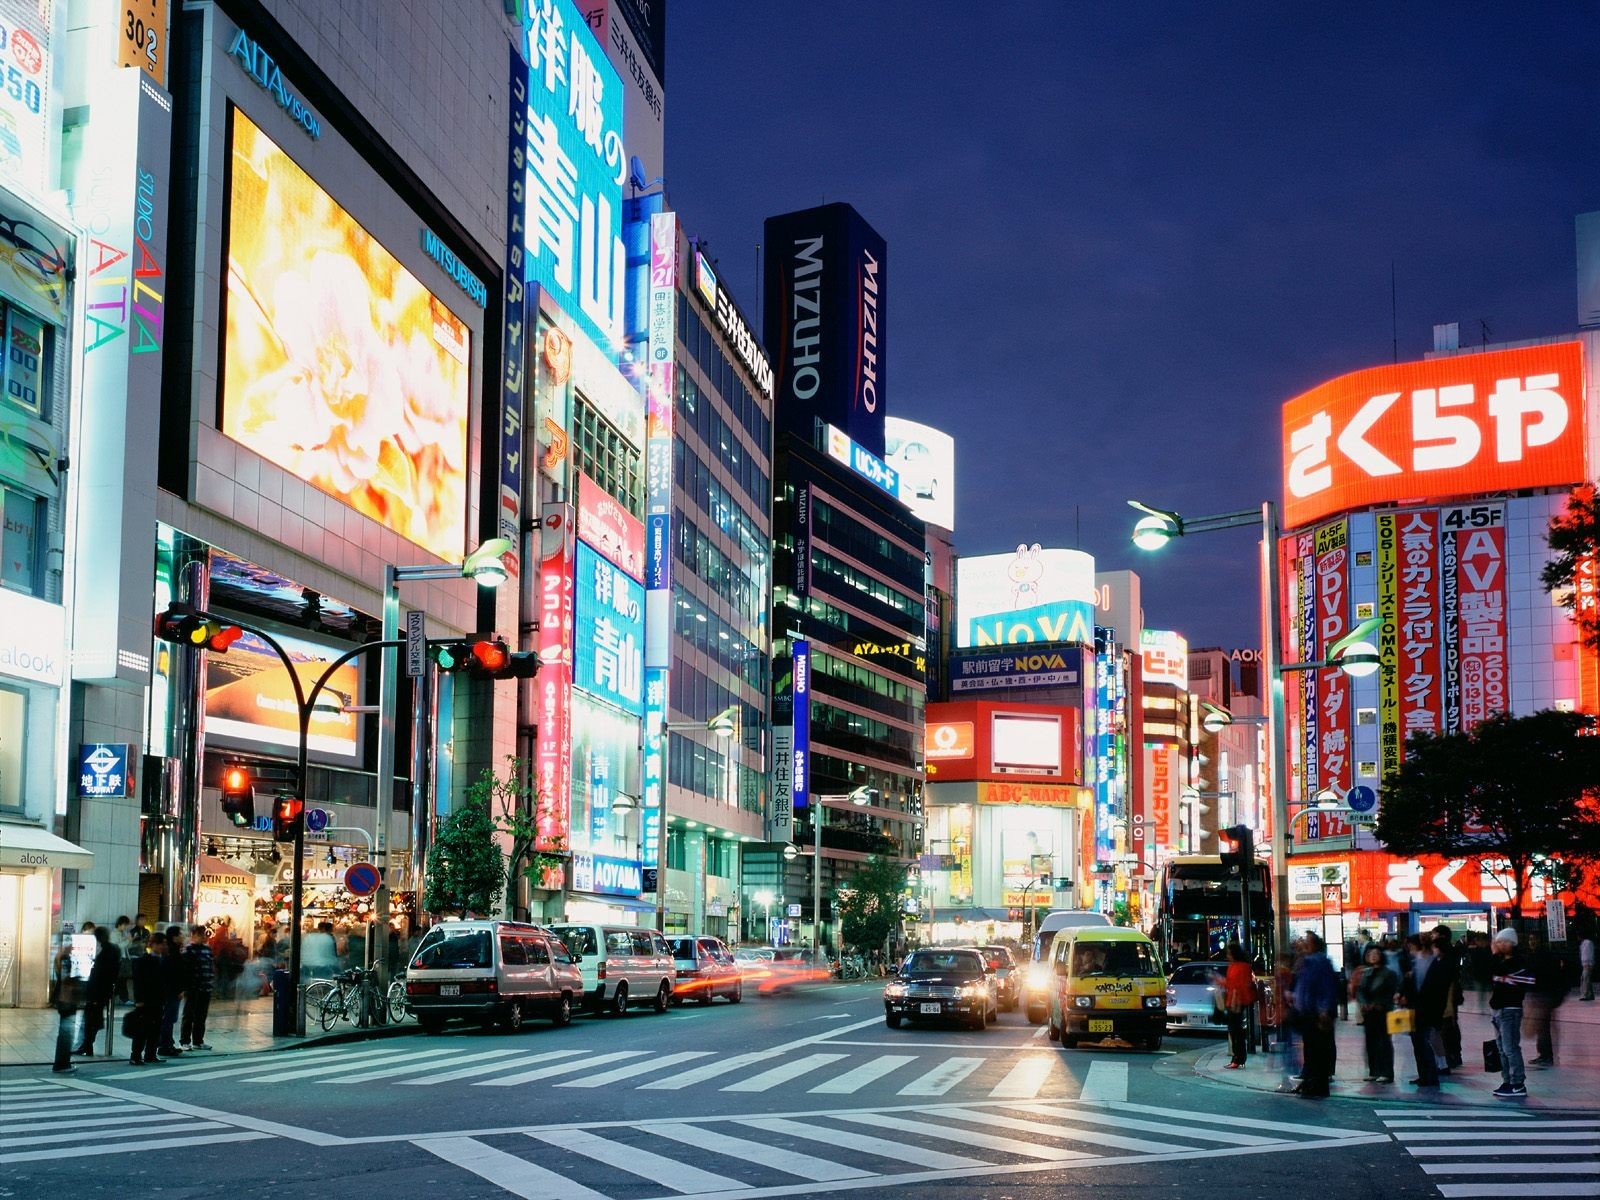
x=499 y=1065
x=217 y=1068
x=790 y=1162
x=657 y=1168
x=313 y=1137
x=767 y=1080
x=832 y=1017
x=565 y=1068
x=516 y=1175
x=1451 y=1123
x=1025 y=1079
x=728 y=1066
x=86 y=1122
x=56 y=1152
x=968 y=1137
x=78 y=1110
x=862 y=1143
x=942 y=1078
x=1460 y=1191
x=1510 y=1168
x=854 y=1080
x=1406 y=1135
x=1498 y=1151
x=48 y=1106
x=409 y=1064
x=1120 y=1121
x=326 y=1067
x=1321 y=1132
x=1106 y=1081
x=915 y=1043
x=1068 y=1133
x=153 y=1124
x=632 y=1069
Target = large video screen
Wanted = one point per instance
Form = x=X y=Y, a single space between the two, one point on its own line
x=338 y=364
x=1034 y=595
x=250 y=700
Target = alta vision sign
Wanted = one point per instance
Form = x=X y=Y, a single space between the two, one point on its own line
x=260 y=66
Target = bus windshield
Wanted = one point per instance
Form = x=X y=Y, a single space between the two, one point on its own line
x=1202 y=910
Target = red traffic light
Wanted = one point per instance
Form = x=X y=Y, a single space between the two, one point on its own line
x=223 y=637
x=493 y=656
x=235 y=779
x=290 y=808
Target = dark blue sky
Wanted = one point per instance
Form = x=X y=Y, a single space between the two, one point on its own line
x=1121 y=235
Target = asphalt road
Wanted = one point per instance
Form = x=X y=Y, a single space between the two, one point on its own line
x=803 y=1094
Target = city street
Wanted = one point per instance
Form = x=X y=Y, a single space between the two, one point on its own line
x=792 y=1094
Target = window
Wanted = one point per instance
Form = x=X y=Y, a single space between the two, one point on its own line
x=512 y=952
x=619 y=941
x=538 y=952
x=643 y=945
x=22 y=544
x=677 y=852
x=605 y=455
x=448 y=949
x=578 y=938
x=13 y=739
x=24 y=365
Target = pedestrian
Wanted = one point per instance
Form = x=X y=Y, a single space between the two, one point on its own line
x=1511 y=980
x=143 y=1023
x=318 y=953
x=1316 y=1000
x=1480 y=965
x=124 y=943
x=1283 y=1014
x=199 y=979
x=1375 y=993
x=104 y=979
x=172 y=971
x=1447 y=1045
x=1586 y=967
x=67 y=987
x=1238 y=993
x=139 y=935
x=1549 y=990
x=1424 y=991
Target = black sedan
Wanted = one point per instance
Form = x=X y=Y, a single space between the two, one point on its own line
x=941 y=985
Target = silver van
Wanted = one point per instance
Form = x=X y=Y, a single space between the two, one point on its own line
x=497 y=972
x=621 y=965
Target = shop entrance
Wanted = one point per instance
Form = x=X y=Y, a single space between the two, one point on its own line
x=10 y=937
x=1461 y=918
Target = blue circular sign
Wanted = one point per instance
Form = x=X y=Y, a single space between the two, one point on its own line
x=316 y=819
x=362 y=879
x=1361 y=798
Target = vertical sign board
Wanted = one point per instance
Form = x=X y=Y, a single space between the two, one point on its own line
x=1161 y=784
x=1419 y=700
x=553 y=752
x=576 y=166
x=1586 y=608
x=1480 y=553
x=780 y=815
x=800 y=776
x=514 y=345
x=416 y=643
x=29 y=104
x=1310 y=647
x=1388 y=612
x=608 y=631
x=1333 y=922
x=1334 y=723
x=660 y=386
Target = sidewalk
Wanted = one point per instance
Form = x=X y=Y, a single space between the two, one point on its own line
x=28 y=1035
x=1574 y=1082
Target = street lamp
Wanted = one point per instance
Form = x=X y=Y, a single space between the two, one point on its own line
x=722 y=726
x=859 y=797
x=1352 y=655
x=765 y=899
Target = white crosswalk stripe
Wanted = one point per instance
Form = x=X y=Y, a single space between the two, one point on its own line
x=1025 y=1079
x=942 y=1078
x=54 y=1121
x=1502 y=1154
x=856 y=1078
x=792 y=1069
x=607 y=1078
x=753 y=1156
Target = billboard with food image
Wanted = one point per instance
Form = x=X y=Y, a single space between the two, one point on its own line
x=338 y=364
x=250 y=699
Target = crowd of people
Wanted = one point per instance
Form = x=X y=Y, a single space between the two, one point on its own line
x=1417 y=986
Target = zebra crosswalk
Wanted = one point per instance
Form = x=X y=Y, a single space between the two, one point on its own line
x=43 y=1119
x=1028 y=1074
x=1493 y=1152
x=756 y=1155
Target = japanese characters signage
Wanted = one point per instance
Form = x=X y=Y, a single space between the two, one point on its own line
x=553 y=753
x=1023 y=668
x=514 y=346
x=1390 y=749
x=1451 y=426
x=28 y=137
x=103 y=770
x=610 y=528
x=1332 y=685
x=1161 y=788
x=746 y=347
x=576 y=168
x=1166 y=657
x=800 y=778
x=780 y=813
x=608 y=633
x=1586 y=606
x=1410 y=682
x=655 y=761
x=1479 y=535
x=659 y=382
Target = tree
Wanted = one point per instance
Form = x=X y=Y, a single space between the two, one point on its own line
x=869 y=911
x=1575 y=545
x=1520 y=796
x=466 y=870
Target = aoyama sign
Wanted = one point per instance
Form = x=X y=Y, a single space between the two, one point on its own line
x=1458 y=426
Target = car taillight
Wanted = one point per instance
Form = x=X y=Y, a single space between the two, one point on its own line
x=600 y=971
x=416 y=988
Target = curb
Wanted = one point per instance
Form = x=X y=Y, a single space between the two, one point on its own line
x=277 y=1046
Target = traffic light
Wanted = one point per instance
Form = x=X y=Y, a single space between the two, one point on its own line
x=238 y=795
x=1239 y=849
x=485 y=657
x=180 y=624
x=287 y=814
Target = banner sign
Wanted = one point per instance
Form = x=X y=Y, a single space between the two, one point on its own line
x=655 y=765
x=1388 y=611
x=514 y=345
x=1161 y=786
x=1481 y=599
x=1334 y=723
x=608 y=632
x=607 y=876
x=609 y=527
x=780 y=816
x=1049 y=795
x=800 y=778
x=553 y=751
x=1022 y=669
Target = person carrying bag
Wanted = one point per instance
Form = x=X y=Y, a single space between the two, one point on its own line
x=1376 y=986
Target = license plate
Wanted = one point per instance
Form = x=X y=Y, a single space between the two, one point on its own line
x=932 y=1008
x=449 y=989
x=1101 y=1026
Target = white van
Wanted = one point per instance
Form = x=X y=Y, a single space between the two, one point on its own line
x=499 y=972
x=1039 y=982
x=621 y=965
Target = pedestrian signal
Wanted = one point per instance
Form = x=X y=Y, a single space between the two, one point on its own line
x=1237 y=845
x=287 y=815
x=238 y=795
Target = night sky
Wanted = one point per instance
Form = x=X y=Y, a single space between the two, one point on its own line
x=1121 y=235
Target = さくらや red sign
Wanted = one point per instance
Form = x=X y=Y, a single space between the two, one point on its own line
x=1452 y=426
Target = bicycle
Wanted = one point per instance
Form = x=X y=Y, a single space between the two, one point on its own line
x=356 y=998
x=397 y=998
x=852 y=967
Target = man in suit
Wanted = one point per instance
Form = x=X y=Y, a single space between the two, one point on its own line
x=1427 y=987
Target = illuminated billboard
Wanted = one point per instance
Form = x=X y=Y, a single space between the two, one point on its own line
x=1455 y=426
x=925 y=460
x=30 y=40
x=1032 y=595
x=1165 y=657
x=338 y=365
x=250 y=700
x=608 y=632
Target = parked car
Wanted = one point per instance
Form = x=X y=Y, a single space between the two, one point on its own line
x=706 y=970
x=1192 y=997
x=941 y=983
x=494 y=971
x=1108 y=985
x=621 y=965
x=1008 y=980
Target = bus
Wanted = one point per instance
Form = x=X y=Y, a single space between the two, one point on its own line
x=1201 y=908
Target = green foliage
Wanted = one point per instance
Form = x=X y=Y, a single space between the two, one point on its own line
x=869 y=912
x=1520 y=796
x=1575 y=536
x=466 y=870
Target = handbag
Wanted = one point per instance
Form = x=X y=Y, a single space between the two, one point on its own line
x=1400 y=1020
x=1491 y=1056
x=130 y=1024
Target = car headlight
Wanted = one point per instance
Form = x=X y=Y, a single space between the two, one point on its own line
x=974 y=989
x=1172 y=996
x=1083 y=1001
x=1039 y=975
x=1155 y=1001
x=895 y=989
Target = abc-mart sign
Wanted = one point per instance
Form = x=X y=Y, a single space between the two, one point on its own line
x=1456 y=426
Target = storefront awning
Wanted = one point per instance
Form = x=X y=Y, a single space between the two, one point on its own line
x=626 y=903
x=30 y=847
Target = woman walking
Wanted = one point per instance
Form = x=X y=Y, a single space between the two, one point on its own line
x=1375 y=993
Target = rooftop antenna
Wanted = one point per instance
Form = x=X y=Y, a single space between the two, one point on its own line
x=1483 y=332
